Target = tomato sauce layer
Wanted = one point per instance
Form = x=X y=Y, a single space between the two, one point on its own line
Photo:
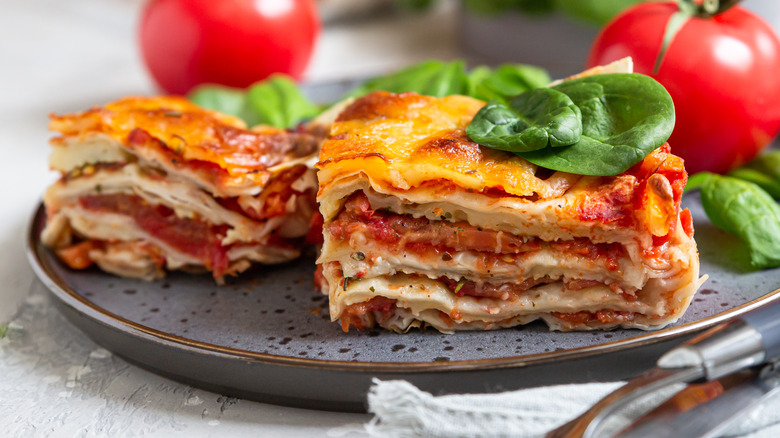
x=196 y=238
x=502 y=291
x=353 y=314
x=601 y=316
x=510 y=291
x=420 y=235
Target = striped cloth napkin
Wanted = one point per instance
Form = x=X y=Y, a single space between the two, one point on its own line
x=401 y=410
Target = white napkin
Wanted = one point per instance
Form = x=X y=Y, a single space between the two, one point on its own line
x=401 y=410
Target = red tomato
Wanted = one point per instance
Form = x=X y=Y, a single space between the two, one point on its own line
x=722 y=72
x=231 y=42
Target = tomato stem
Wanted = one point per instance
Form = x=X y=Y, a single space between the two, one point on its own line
x=706 y=8
x=686 y=10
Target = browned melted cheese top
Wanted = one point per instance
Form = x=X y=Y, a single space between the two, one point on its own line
x=185 y=135
x=405 y=140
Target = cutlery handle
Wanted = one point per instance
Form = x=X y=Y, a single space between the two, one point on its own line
x=766 y=321
x=729 y=347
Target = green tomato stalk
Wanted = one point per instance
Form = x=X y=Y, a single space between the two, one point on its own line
x=688 y=9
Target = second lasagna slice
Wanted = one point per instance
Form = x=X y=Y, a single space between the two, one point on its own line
x=154 y=183
x=424 y=227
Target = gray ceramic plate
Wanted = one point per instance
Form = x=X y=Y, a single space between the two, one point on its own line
x=267 y=335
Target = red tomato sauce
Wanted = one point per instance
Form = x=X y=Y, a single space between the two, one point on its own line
x=421 y=236
x=351 y=315
x=194 y=237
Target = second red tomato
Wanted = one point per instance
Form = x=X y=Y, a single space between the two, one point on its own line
x=231 y=42
x=723 y=73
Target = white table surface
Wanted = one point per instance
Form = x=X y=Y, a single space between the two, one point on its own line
x=61 y=56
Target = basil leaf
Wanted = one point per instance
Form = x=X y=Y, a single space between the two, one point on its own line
x=767 y=182
x=535 y=120
x=763 y=171
x=432 y=78
x=275 y=101
x=226 y=100
x=439 y=79
x=695 y=181
x=494 y=7
x=747 y=211
x=505 y=81
x=596 y=12
x=625 y=116
x=278 y=102
x=476 y=77
x=414 y=5
x=768 y=163
x=451 y=80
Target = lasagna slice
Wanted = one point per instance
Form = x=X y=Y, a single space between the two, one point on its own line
x=423 y=227
x=155 y=183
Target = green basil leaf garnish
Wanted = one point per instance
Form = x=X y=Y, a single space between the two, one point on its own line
x=439 y=79
x=695 y=181
x=768 y=163
x=593 y=12
x=431 y=78
x=625 y=116
x=476 y=77
x=506 y=81
x=763 y=171
x=231 y=101
x=533 y=120
x=276 y=101
x=495 y=7
x=767 y=182
x=747 y=211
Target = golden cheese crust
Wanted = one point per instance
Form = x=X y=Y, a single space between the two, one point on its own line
x=157 y=182
x=179 y=134
x=405 y=140
x=418 y=221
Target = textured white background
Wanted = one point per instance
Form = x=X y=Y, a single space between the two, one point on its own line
x=61 y=56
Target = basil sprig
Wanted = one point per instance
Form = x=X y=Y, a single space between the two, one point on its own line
x=227 y=100
x=505 y=81
x=742 y=203
x=745 y=210
x=432 y=78
x=439 y=79
x=276 y=101
x=625 y=116
x=764 y=171
x=533 y=120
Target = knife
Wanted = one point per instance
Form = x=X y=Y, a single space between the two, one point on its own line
x=707 y=409
x=725 y=349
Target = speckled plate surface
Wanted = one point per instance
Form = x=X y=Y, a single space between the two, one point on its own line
x=267 y=335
